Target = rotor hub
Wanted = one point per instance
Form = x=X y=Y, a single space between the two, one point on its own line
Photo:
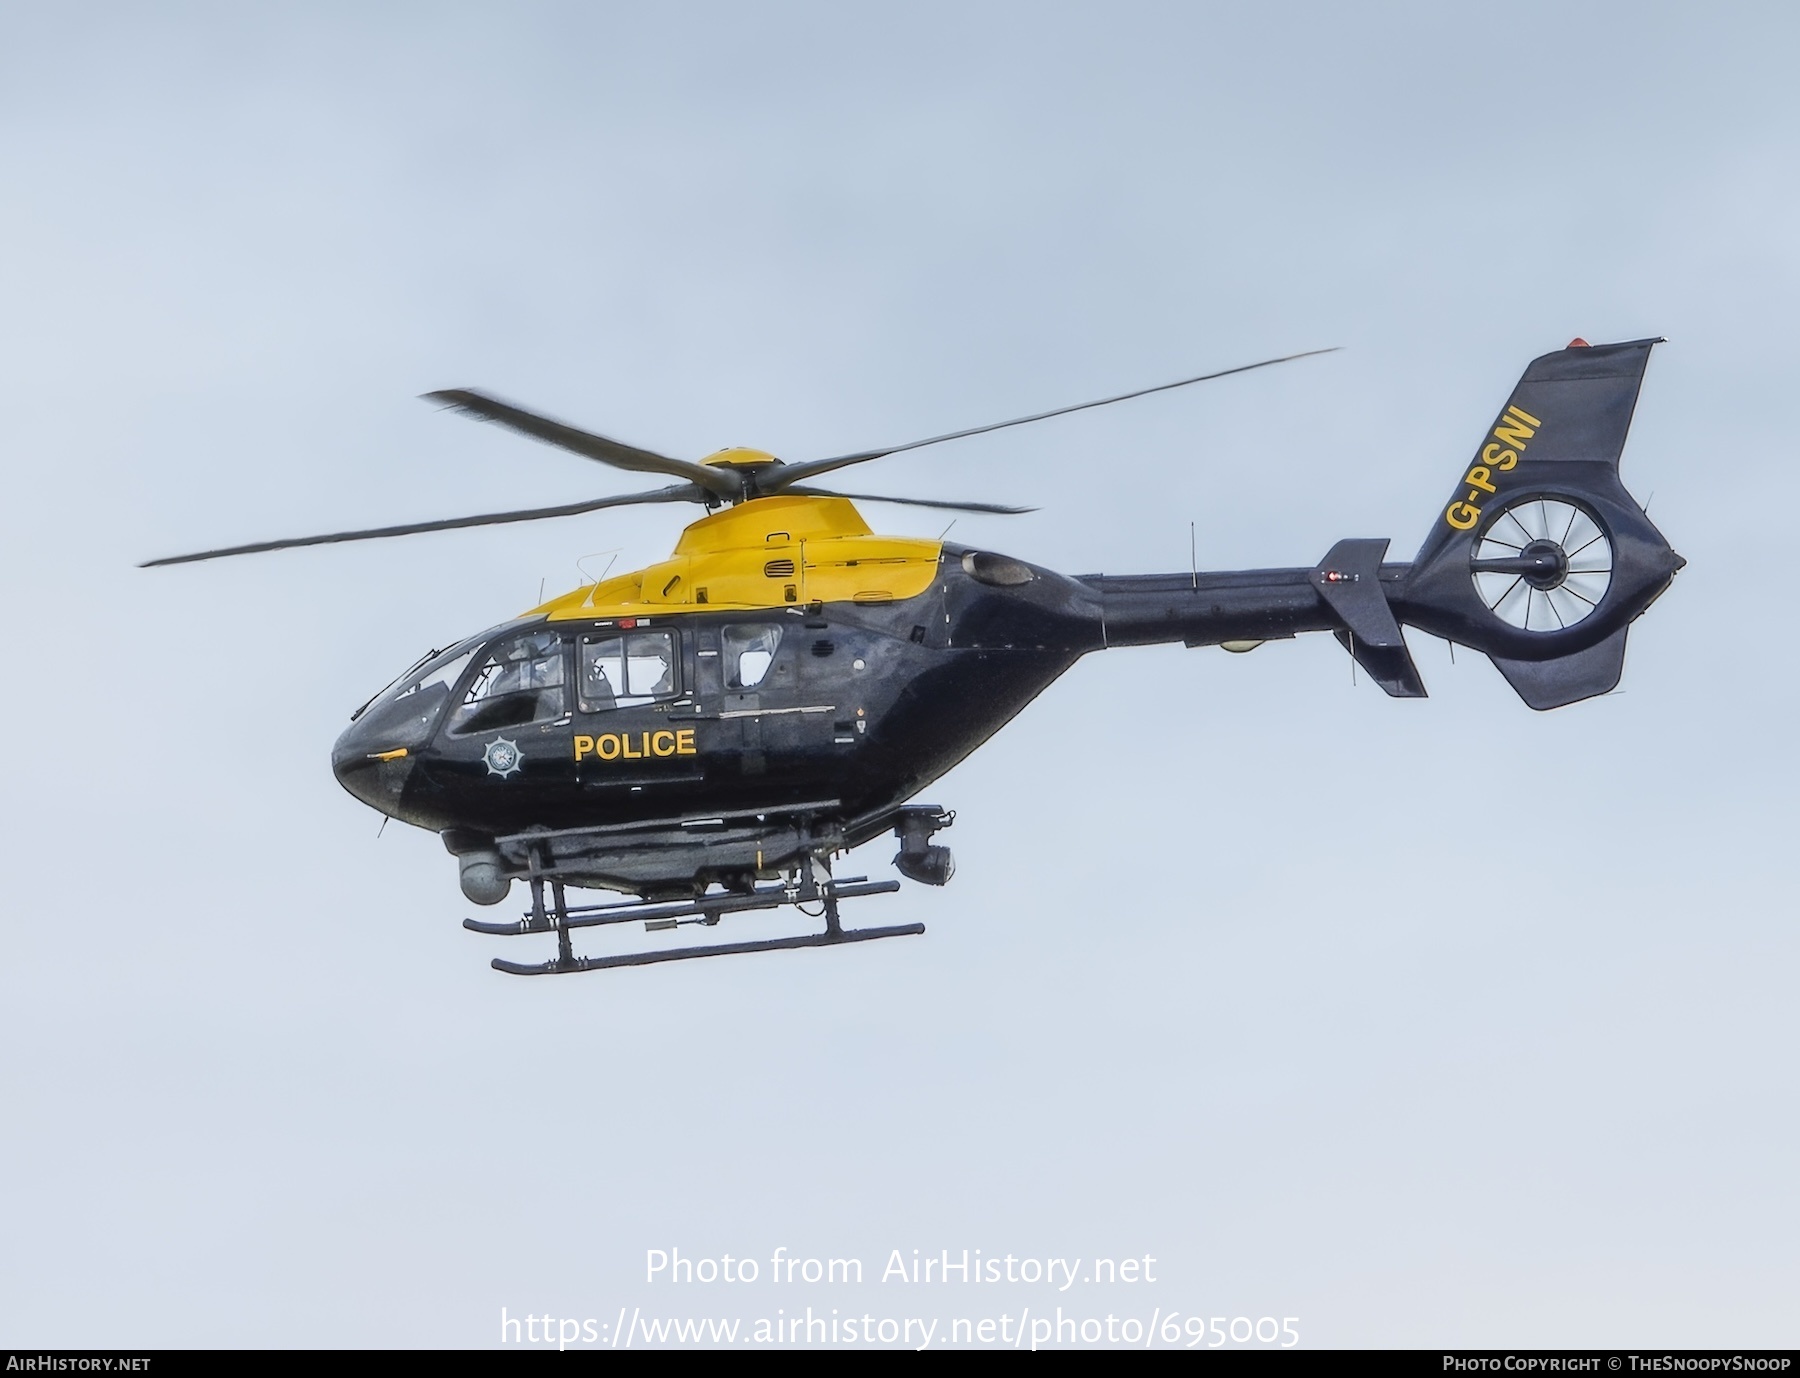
x=1552 y=563
x=745 y=465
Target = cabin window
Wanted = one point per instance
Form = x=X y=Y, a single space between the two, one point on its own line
x=749 y=651
x=521 y=681
x=624 y=671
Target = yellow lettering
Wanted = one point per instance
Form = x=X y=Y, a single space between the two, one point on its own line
x=1462 y=515
x=1499 y=458
x=1478 y=478
x=1513 y=432
x=616 y=745
x=1524 y=416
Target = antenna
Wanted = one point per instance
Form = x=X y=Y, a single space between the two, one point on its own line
x=581 y=566
x=1193 y=556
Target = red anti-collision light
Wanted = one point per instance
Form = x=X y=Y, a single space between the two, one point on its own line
x=1579 y=343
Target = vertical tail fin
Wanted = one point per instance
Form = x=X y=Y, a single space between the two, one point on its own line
x=1541 y=559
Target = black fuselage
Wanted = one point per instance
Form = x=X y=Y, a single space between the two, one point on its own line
x=847 y=708
x=863 y=704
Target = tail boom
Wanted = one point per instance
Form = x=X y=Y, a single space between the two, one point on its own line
x=1541 y=559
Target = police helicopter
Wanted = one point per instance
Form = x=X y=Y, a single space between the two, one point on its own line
x=707 y=735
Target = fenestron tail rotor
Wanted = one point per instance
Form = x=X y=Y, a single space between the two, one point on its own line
x=1542 y=565
x=715 y=483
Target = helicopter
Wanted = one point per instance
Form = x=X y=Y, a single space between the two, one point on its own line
x=708 y=734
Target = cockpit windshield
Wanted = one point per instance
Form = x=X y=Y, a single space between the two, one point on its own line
x=429 y=671
x=407 y=709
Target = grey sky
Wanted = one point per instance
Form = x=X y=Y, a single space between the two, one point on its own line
x=1425 y=1022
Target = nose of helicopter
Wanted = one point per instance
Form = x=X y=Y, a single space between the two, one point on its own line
x=376 y=777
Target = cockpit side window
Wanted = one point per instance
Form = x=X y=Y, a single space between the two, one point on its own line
x=749 y=651
x=520 y=681
x=627 y=670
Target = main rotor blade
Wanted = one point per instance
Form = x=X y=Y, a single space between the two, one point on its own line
x=585 y=443
x=784 y=478
x=681 y=492
x=913 y=502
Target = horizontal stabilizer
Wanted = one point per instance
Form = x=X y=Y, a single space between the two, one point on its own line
x=1389 y=666
x=1349 y=580
x=1568 y=679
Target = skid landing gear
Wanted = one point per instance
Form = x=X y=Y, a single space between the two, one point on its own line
x=814 y=885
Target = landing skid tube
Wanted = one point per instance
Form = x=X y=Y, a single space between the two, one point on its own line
x=557 y=917
x=557 y=966
x=707 y=910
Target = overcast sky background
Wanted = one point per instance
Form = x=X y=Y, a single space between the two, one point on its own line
x=1436 y=1022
